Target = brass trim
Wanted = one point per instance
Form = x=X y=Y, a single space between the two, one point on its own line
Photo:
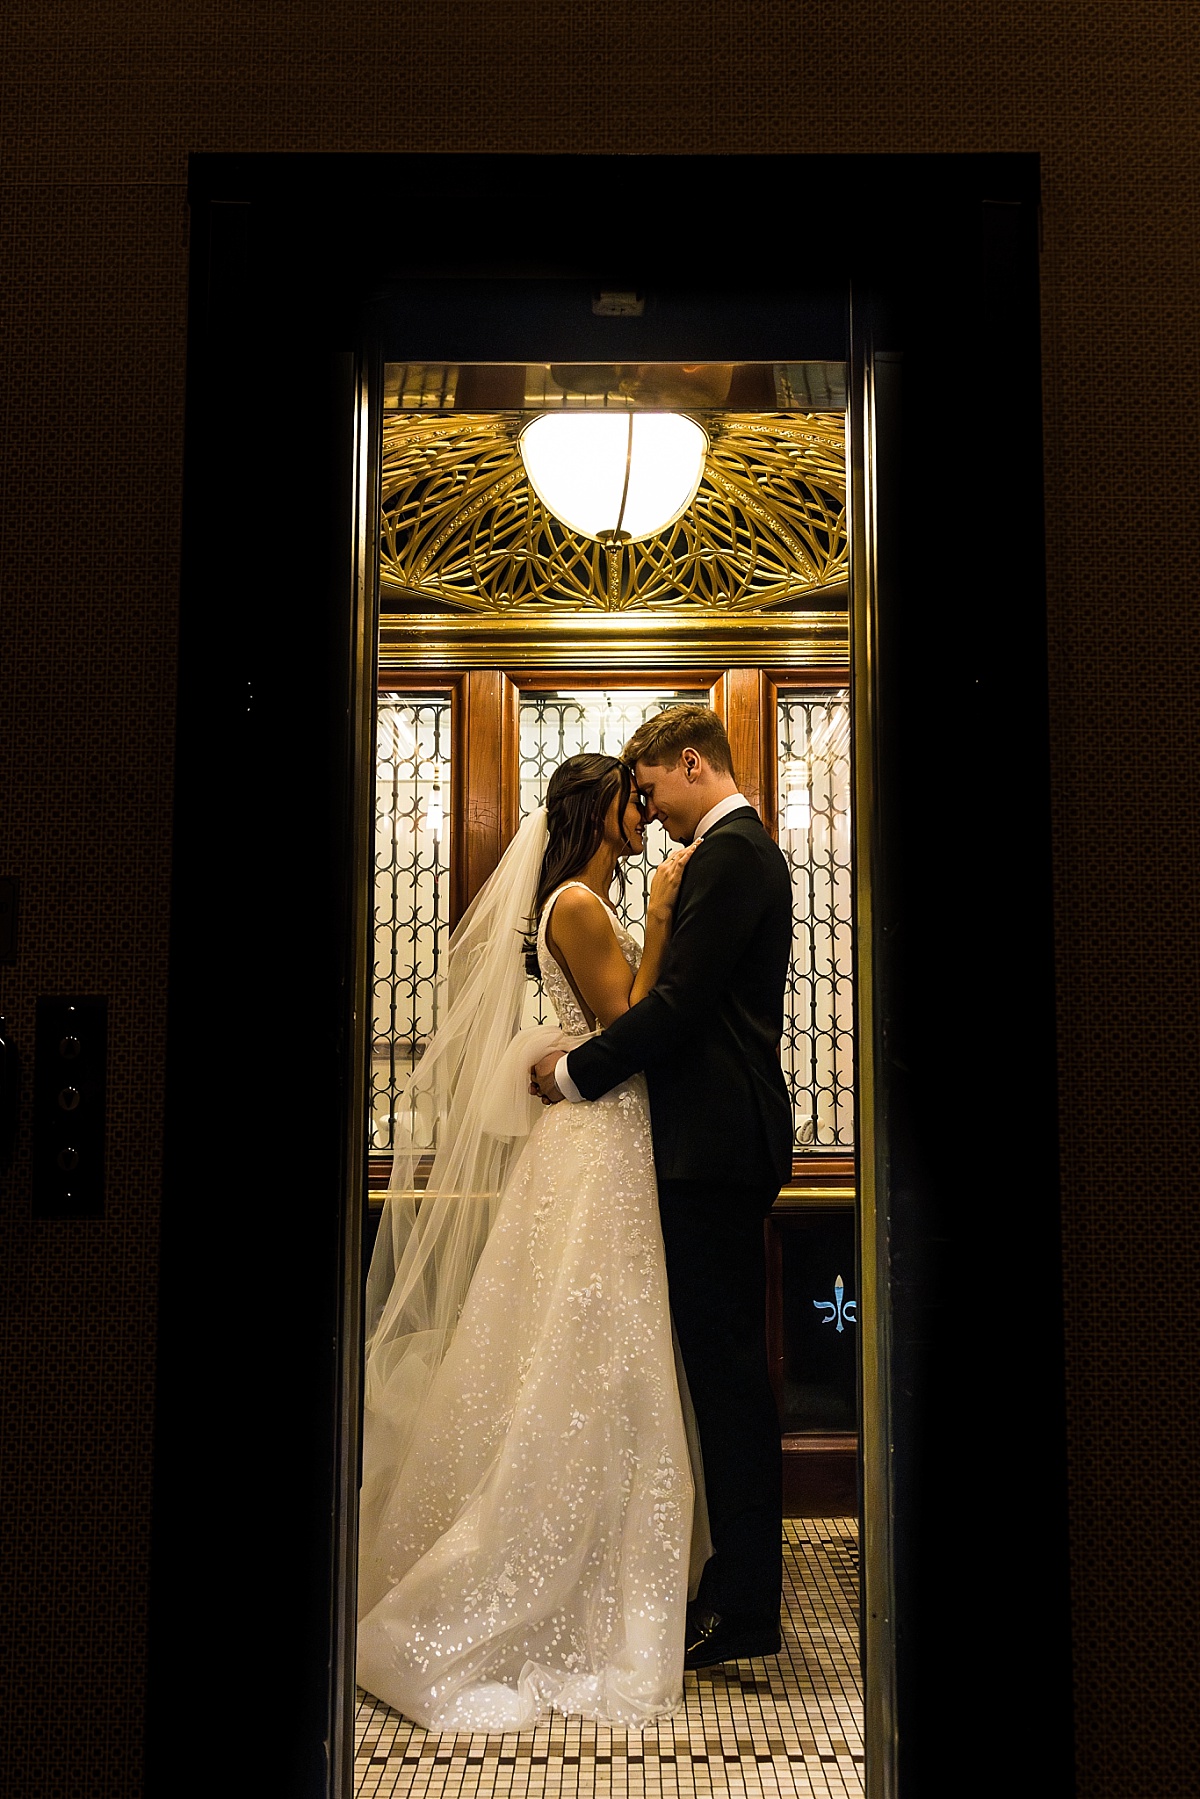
x=800 y=639
x=791 y=1198
x=878 y=1556
x=357 y=578
x=377 y=1195
x=828 y=1442
x=815 y=1199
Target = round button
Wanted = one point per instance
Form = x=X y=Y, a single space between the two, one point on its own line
x=69 y=1099
x=68 y=1159
x=69 y=1048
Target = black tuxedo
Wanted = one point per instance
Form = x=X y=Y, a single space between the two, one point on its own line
x=707 y=1037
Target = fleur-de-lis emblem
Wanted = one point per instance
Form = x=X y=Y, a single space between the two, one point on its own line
x=839 y=1307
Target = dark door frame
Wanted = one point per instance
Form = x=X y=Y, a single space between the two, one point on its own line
x=931 y=295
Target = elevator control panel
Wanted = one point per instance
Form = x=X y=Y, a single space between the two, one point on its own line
x=69 y=1078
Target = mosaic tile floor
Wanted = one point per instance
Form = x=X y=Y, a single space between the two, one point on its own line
x=786 y=1725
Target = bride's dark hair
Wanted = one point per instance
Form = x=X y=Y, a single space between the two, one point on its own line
x=580 y=793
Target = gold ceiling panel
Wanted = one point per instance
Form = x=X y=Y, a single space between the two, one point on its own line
x=462 y=528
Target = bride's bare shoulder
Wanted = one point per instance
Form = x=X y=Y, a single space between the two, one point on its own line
x=576 y=896
x=578 y=910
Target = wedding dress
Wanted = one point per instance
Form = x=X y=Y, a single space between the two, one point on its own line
x=532 y=1547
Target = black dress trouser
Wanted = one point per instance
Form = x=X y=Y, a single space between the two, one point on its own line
x=716 y=1270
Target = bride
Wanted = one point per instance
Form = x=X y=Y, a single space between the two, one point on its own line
x=528 y=1532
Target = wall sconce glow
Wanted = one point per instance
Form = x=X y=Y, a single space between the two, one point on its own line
x=797 y=806
x=434 y=817
x=614 y=476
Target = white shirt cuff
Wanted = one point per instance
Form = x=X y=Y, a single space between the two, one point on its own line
x=564 y=1083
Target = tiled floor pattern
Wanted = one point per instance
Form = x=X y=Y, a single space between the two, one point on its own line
x=789 y=1725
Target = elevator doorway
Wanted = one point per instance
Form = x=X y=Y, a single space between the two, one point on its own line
x=543 y=645
x=928 y=287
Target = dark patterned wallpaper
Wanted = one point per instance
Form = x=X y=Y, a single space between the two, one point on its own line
x=100 y=105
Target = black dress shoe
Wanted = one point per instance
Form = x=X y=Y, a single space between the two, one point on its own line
x=712 y=1638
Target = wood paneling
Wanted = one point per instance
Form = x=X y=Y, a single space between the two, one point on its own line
x=570 y=680
x=745 y=700
x=484 y=781
x=820 y=1476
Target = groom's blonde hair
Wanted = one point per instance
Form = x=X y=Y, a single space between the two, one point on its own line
x=662 y=740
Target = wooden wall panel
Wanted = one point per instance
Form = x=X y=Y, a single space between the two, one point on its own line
x=745 y=700
x=485 y=724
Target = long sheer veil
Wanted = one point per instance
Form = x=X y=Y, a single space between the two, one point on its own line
x=469 y=1095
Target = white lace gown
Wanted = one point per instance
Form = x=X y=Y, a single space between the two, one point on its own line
x=535 y=1549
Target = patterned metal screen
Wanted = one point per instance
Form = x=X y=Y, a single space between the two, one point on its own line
x=412 y=866
x=814 y=834
x=554 y=726
x=412 y=889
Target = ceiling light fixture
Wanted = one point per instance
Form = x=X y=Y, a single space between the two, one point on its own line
x=614 y=476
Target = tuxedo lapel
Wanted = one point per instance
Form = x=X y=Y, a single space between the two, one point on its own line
x=742 y=812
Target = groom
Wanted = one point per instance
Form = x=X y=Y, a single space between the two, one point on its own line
x=707 y=1037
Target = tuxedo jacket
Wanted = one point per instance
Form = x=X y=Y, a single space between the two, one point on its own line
x=707 y=1035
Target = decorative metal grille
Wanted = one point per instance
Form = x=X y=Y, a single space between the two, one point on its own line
x=412 y=866
x=554 y=726
x=412 y=875
x=462 y=527
x=814 y=834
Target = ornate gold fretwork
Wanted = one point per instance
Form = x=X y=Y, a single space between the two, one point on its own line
x=462 y=527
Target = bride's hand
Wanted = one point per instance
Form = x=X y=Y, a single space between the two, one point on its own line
x=664 y=888
x=542 y=1084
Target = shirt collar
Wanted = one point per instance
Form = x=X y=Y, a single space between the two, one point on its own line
x=721 y=810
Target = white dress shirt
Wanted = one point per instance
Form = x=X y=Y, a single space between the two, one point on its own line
x=730 y=803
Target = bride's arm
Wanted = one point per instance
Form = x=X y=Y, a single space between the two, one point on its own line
x=660 y=913
x=581 y=939
x=579 y=935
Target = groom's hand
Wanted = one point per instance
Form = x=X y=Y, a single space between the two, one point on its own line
x=541 y=1079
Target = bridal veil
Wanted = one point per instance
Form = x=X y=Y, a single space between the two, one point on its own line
x=468 y=1096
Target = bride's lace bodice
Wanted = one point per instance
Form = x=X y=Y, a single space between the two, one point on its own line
x=557 y=987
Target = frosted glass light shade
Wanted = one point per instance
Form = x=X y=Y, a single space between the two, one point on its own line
x=577 y=465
